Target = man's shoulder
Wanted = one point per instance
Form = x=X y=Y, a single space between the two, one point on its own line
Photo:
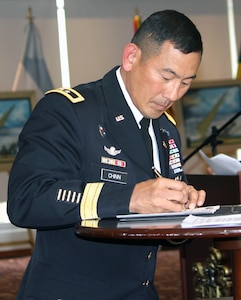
x=71 y=94
x=170 y=118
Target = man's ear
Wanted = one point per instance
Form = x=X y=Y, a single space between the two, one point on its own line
x=130 y=53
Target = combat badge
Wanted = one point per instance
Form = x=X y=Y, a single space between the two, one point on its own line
x=112 y=150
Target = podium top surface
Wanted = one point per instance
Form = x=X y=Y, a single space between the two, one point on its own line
x=152 y=229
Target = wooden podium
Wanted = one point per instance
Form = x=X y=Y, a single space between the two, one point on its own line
x=220 y=189
x=223 y=190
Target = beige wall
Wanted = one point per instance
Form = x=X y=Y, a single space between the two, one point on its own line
x=97 y=34
x=95 y=46
x=97 y=31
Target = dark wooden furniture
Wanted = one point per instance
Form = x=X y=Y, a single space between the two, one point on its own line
x=223 y=190
x=151 y=230
x=220 y=189
x=155 y=230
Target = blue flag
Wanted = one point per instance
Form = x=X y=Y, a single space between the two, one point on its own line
x=33 y=60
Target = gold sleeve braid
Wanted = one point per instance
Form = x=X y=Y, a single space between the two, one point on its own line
x=88 y=206
x=94 y=223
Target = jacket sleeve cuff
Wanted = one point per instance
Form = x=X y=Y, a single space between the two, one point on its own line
x=88 y=206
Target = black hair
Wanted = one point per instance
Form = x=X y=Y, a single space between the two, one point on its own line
x=167 y=25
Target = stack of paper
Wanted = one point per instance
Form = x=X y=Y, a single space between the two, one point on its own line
x=205 y=210
x=200 y=221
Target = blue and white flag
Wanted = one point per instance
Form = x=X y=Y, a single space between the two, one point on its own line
x=32 y=72
x=33 y=60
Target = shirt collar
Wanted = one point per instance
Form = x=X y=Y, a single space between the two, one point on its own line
x=136 y=113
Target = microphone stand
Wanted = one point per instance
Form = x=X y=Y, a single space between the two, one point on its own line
x=212 y=139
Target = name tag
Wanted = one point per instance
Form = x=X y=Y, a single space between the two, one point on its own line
x=114 y=176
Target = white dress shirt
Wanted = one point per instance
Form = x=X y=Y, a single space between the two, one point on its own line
x=138 y=117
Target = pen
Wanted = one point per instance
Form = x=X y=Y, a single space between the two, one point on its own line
x=157 y=173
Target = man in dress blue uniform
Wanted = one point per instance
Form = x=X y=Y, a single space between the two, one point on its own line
x=82 y=156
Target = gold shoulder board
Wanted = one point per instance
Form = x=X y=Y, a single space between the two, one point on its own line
x=170 y=118
x=69 y=93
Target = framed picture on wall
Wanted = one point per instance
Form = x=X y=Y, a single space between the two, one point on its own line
x=207 y=106
x=15 y=109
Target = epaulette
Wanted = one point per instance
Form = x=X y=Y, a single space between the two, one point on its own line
x=170 y=118
x=69 y=93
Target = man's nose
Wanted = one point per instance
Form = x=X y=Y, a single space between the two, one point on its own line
x=172 y=92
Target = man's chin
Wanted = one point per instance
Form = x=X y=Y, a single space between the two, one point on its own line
x=157 y=114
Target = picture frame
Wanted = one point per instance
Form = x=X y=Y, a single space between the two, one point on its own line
x=15 y=109
x=208 y=106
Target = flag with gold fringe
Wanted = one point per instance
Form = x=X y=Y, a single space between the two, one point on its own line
x=136 y=20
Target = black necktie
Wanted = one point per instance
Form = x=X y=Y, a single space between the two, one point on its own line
x=146 y=136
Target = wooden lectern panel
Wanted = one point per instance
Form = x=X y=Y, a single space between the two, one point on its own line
x=220 y=189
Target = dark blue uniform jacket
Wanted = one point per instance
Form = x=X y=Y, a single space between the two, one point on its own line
x=67 y=145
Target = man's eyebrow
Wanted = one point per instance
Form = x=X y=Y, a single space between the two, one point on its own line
x=175 y=74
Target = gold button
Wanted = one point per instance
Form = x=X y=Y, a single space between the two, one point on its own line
x=149 y=255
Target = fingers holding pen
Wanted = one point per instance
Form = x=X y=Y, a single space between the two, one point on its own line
x=158 y=195
x=164 y=195
x=184 y=200
x=174 y=191
x=189 y=198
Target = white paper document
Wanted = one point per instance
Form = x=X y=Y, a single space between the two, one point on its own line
x=202 y=221
x=198 y=211
x=222 y=164
x=144 y=223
